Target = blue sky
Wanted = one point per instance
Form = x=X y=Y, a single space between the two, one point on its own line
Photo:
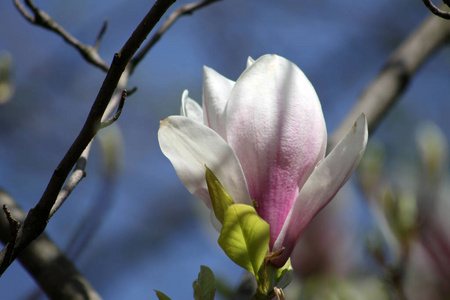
x=155 y=235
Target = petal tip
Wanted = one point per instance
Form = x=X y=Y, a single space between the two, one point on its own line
x=250 y=61
x=164 y=122
x=207 y=69
x=361 y=124
x=361 y=118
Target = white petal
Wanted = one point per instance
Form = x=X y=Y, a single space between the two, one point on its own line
x=250 y=61
x=190 y=145
x=216 y=90
x=325 y=181
x=190 y=108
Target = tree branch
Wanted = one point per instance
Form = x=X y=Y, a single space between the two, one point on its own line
x=390 y=83
x=54 y=273
x=79 y=172
x=37 y=217
x=181 y=11
x=42 y=19
x=436 y=10
x=116 y=116
x=100 y=35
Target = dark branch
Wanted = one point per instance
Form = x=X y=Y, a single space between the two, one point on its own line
x=79 y=172
x=100 y=35
x=23 y=11
x=54 y=273
x=393 y=79
x=37 y=218
x=436 y=10
x=14 y=226
x=42 y=19
x=77 y=175
x=181 y=11
x=13 y=223
x=116 y=116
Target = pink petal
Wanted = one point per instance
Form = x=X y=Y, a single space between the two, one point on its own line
x=216 y=90
x=189 y=145
x=325 y=181
x=275 y=125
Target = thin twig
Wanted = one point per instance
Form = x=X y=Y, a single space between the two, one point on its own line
x=14 y=226
x=100 y=35
x=13 y=223
x=436 y=10
x=173 y=17
x=393 y=79
x=77 y=175
x=95 y=216
x=42 y=19
x=79 y=172
x=116 y=116
x=23 y=11
x=37 y=217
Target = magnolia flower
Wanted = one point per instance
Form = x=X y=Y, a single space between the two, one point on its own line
x=264 y=137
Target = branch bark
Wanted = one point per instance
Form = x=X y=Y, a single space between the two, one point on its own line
x=393 y=79
x=79 y=172
x=436 y=10
x=50 y=268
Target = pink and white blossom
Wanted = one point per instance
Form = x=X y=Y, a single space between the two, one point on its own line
x=264 y=137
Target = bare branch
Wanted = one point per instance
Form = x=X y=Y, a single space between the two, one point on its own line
x=37 y=217
x=13 y=223
x=116 y=116
x=390 y=83
x=100 y=35
x=436 y=10
x=42 y=19
x=23 y=11
x=14 y=226
x=79 y=172
x=77 y=175
x=54 y=273
x=181 y=11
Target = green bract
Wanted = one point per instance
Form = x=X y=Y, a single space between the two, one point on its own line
x=220 y=198
x=244 y=237
x=284 y=275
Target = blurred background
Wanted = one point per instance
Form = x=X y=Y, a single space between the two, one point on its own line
x=153 y=233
